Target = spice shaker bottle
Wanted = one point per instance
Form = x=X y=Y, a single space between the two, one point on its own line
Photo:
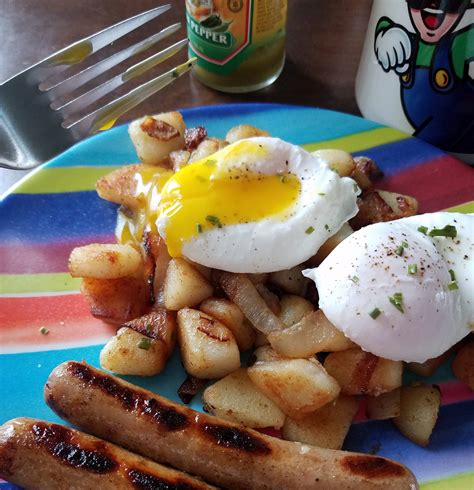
x=240 y=44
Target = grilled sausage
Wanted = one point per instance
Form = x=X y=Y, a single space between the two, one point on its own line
x=222 y=452
x=39 y=455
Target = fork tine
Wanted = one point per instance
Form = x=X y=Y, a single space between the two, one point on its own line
x=96 y=93
x=106 y=117
x=80 y=50
x=75 y=81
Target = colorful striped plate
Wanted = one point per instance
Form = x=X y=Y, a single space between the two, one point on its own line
x=56 y=208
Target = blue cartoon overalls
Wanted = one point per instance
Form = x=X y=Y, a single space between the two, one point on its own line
x=438 y=103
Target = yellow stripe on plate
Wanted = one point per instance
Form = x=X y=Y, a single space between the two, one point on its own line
x=463 y=481
x=467 y=207
x=38 y=283
x=360 y=141
x=63 y=179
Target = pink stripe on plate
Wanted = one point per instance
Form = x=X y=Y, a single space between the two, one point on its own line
x=35 y=258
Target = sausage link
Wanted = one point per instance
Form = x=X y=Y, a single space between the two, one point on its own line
x=223 y=453
x=41 y=455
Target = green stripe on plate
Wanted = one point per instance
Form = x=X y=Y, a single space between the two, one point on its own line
x=38 y=283
x=66 y=179
x=360 y=141
x=467 y=207
x=463 y=481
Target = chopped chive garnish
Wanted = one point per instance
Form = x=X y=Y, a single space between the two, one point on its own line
x=452 y=275
x=399 y=250
x=309 y=230
x=449 y=231
x=321 y=193
x=214 y=220
x=412 y=269
x=404 y=244
x=144 y=343
x=375 y=313
x=199 y=227
x=453 y=285
x=211 y=162
x=423 y=229
x=148 y=329
x=326 y=227
x=354 y=279
x=44 y=331
x=397 y=301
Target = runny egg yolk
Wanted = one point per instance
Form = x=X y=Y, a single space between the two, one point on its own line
x=149 y=184
x=220 y=190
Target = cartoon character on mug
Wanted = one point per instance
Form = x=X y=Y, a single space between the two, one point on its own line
x=436 y=69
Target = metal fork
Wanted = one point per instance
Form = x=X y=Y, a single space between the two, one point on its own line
x=36 y=123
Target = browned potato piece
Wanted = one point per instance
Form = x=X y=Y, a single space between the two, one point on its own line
x=362 y=373
x=292 y=280
x=207 y=148
x=116 y=300
x=328 y=246
x=339 y=160
x=293 y=309
x=120 y=186
x=326 y=427
x=266 y=354
x=208 y=348
x=419 y=406
x=230 y=315
x=243 y=131
x=237 y=399
x=401 y=205
x=105 y=261
x=384 y=406
x=428 y=367
x=141 y=346
x=297 y=386
x=184 y=285
x=463 y=365
x=313 y=334
x=179 y=159
x=155 y=137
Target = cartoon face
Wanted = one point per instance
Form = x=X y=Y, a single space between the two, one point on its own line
x=435 y=18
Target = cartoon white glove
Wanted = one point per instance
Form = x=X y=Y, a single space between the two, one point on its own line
x=393 y=49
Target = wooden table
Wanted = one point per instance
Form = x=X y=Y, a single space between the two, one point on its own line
x=324 y=43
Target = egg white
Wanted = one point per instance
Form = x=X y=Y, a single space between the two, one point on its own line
x=325 y=203
x=364 y=271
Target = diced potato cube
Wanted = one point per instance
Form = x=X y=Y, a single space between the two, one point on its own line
x=243 y=131
x=463 y=365
x=116 y=300
x=362 y=373
x=401 y=205
x=339 y=160
x=155 y=137
x=297 y=386
x=293 y=309
x=419 y=407
x=326 y=427
x=428 y=367
x=230 y=315
x=237 y=399
x=157 y=254
x=184 y=285
x=266 y=354
x=313 y=334
x=120 y=186
x=208 y=348
x=292 y=280
x=207 y=148
x=105 y=261
x=179 y=159
x=384 y=406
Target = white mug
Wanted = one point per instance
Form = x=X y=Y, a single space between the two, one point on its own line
x=417 y=71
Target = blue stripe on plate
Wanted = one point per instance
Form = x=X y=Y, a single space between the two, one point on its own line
x=401 y=155
x=40 y=218
x=449 y=452
x=294 y=123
